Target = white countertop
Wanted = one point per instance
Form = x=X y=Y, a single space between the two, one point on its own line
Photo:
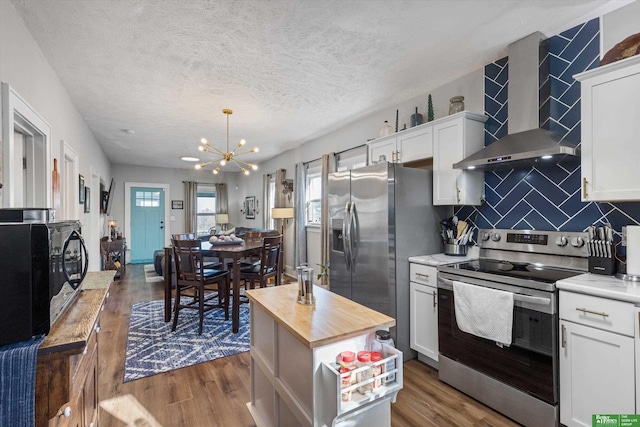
x=440 y=259
x=602 y=286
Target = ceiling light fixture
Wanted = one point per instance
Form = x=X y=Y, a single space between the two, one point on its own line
x=227 y=156
x=189 y=159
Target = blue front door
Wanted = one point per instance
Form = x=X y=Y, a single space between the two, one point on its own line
x=147 y=223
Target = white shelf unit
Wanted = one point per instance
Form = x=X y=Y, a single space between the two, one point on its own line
x=291 y=383
x=335 y=408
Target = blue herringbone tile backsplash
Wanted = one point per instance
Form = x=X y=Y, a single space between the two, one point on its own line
x=545 y=197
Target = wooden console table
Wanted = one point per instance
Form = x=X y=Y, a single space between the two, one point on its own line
x=67 y=367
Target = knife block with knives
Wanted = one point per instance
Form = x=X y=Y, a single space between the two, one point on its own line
x=601 y=250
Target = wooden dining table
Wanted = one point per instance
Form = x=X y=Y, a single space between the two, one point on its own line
x=224 y=252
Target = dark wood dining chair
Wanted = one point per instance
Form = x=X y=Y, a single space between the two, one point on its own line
x=201 y=285
x=251 y=237
x=210 y=263
x=269 y=265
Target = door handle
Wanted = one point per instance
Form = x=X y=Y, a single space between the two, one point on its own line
x=355 y=239
x=346 y=237
x=434 y=299
x=584 y=188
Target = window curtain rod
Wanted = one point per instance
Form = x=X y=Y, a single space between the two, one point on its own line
x=204 y=183
x=336 y=153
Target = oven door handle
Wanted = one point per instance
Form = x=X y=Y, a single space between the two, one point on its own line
x=532 y=300
x=448 y=284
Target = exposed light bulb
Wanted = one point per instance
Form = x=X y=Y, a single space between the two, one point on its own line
x=201 y=148
x=255 y=150
x=216 y=170
x=254 y=167
x=223 y=162
x=198 y=166
x=244 y=171
x=204 y=141
x=242 y=142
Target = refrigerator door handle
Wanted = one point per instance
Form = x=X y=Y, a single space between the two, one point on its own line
x=354 y=238
x=346 y=238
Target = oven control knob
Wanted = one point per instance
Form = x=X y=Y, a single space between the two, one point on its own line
x=561 y=241
x=485 y=236
x=577 y=242
x=495 y=237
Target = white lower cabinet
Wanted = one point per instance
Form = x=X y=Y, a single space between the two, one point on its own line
x=597 y=358
x=637 y=340
x=423 y=310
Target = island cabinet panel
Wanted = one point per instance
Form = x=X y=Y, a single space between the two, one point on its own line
x=299 y=385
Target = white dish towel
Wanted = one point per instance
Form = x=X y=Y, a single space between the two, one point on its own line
x=484 y=312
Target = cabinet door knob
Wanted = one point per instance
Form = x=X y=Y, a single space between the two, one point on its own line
x=65 y=413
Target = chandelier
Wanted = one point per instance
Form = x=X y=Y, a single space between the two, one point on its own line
x=227 y=156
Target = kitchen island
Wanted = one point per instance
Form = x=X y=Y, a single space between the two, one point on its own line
x=293 y=381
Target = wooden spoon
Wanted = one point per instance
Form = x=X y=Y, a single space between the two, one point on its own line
x=462 y=225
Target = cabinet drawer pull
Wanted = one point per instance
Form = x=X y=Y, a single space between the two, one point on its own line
x=424 y=276
x=598 y=313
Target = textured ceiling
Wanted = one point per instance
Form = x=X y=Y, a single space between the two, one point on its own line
x=291 y=70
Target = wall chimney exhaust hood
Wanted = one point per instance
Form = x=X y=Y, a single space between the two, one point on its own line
x=528 y=142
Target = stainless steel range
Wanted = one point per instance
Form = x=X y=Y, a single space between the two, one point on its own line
x=520 y=379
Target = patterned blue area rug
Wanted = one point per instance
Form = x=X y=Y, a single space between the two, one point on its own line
x=152 y=348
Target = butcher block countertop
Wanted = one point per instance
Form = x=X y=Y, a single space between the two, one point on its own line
x=69 y=334
x=333 y=318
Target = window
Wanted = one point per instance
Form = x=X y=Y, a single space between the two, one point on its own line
x=314 y=193
x=352 y=159
x=271 y=202
x=205 y=209
x=148 y=199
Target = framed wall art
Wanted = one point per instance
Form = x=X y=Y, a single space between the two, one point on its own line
x=81 y=196
x=177 y=204
x=250 y=206
x=87 y=199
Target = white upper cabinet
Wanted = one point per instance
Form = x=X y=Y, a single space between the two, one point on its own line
x=454 y=138
x=405 y=146
x=611 y=131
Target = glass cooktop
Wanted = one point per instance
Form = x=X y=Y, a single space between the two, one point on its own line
x=520 y=270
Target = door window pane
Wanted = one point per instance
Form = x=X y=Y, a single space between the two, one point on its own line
x=148 y=199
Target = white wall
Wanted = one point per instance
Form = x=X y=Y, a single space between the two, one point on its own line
x=174 y=177
x=618 y=25
x=25 y=69
x=352 y=135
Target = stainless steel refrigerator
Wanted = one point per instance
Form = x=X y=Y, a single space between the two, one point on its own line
x=379 y=216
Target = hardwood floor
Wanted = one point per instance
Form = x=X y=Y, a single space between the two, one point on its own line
x=215 y=393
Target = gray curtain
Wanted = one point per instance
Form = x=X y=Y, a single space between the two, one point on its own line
x=281 y=199
x=328 y=166
x=190 y=196
x=222 y=199
x=300 y=234
x=266 y=209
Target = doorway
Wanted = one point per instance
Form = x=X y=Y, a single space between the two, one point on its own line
x=25 y=153
x=146 y=211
